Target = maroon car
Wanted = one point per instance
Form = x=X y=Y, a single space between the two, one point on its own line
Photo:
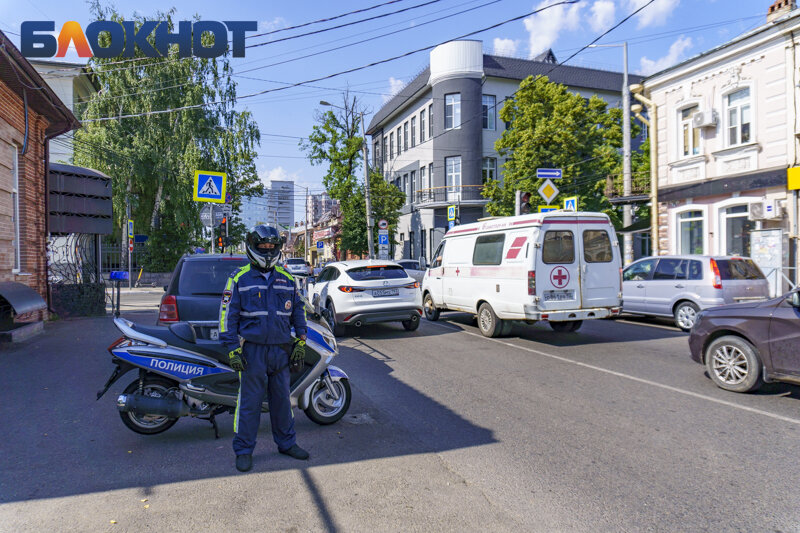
x=744 y=345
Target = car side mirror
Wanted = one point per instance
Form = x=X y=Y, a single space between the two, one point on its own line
x=795 y=299
x=423 y=263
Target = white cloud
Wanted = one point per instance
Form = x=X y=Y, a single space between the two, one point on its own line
x=544 y=27
x=274 y=24
x=267 y=175
x=394 y=87
x=674 y=55
x=602 y=16
x=505 y=47
x=655 y=14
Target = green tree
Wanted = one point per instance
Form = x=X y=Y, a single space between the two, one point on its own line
x=335 y=142
x=551 y=127
x=152 y=158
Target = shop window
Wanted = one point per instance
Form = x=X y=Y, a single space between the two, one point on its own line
x=690 y=232
x=737 y=229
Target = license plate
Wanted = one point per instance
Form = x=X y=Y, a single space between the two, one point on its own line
x=386 y=292
x=214 y=335
x=559 y=296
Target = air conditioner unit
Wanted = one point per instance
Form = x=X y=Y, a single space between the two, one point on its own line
x=704 y=119
x=765 y=210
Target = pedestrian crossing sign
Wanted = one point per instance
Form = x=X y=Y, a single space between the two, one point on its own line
x=209 y=186
x=571 y=203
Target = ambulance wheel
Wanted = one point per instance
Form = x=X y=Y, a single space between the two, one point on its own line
x=338 y=329
x=566 y=326
x=431 y=313
x=488 y=323
x=149 y=424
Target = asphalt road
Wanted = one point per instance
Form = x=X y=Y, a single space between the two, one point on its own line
x=612 y=428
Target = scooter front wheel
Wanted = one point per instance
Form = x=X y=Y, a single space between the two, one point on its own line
x=149 y=424
x=326 y=409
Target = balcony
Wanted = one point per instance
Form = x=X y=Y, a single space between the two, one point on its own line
x=640 y=189
x=443 y=196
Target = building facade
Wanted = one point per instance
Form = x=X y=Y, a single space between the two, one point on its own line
x=275 y=208
x=727 y=130
x=435 y=139
x=30 y=115
x=318 y=206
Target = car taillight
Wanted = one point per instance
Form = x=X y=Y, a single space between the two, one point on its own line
x=531 y=282
x=414 y=285
x=348 y=288
x=715 y=271
x=168 y=311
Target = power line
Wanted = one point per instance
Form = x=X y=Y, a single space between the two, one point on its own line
x=348 y=71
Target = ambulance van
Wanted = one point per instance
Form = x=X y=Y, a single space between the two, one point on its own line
x=561 y=267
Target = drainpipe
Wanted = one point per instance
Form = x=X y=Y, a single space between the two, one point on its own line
x=652 y=126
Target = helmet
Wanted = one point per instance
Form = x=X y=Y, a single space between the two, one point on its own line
x=264 y=259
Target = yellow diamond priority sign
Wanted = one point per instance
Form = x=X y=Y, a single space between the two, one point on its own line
x=548 y=191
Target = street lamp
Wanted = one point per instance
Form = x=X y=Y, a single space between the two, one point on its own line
x=370 y=222
x=626 y=149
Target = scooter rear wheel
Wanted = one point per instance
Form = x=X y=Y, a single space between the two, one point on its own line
x=324 y=409
x=149 y=424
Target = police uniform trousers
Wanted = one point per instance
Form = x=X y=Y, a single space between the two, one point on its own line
x=266 y=368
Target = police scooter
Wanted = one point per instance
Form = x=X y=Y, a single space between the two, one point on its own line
x=182 y=375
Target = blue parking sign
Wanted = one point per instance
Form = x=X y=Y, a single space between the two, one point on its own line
x=383 y=239
x=320 y=245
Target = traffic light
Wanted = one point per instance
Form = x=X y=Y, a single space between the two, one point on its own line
x=523 y=203
x=221 y=243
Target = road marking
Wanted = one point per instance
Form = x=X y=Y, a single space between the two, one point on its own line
x=629 y=377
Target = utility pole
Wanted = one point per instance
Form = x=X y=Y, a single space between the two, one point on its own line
x=370 y=222
x=307 y=252
x=626 y=157
x=652 y=129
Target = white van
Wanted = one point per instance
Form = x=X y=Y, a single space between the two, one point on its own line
x=563 y=267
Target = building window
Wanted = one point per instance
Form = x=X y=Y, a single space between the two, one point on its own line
x=16 y=245
x=413 y=132
x=399 y=140
x=690 y=136
x=405 y=137
x=430 y=121
x=453 y=177
x=405 y=188
x=376 y=154
x=430 y=176
x=391 y=145
x=422 y=243
x=489 y=170
x=413 y=185
x=422 y=126
x=738 y=113
x=737 y=229
x=690 y=232
x=452 y=111
x=411 y=245
x=423 y=186
x=385 y=148
x=488 y=105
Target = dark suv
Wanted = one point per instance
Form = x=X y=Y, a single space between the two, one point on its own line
x=744 y=345
x=195 y=291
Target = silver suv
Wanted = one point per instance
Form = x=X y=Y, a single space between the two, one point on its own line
x=681 y=285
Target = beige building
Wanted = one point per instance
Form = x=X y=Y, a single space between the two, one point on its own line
x=727 y=131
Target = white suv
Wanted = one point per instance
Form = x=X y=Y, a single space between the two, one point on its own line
x=366 y=292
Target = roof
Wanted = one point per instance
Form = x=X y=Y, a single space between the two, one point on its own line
x=514 y=69
x=780 y=20
x=20 y=76
x=521 y=221
x=355 y=263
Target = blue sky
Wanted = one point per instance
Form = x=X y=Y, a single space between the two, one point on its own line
x=664 y=33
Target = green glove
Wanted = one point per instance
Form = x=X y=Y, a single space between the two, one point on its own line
x=298 y=350
x=235 y=357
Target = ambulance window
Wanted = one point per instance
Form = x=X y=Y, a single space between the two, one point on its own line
x=437 y=257
x=488 y=250
x=558 y=247
x=596 y=246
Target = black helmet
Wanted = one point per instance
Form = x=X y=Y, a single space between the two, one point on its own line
x=264 y=259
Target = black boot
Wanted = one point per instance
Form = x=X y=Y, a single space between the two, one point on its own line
x=297 y=452
x=244 y=462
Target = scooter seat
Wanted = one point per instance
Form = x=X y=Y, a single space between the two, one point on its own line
x=181 y=335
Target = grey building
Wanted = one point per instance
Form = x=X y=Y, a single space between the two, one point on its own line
x=435 y=138
x=275 y=208
x=318 y=205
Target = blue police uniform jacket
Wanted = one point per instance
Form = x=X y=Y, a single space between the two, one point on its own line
x=260 y=311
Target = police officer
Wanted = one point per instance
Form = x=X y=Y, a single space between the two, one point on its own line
x=260 y=304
